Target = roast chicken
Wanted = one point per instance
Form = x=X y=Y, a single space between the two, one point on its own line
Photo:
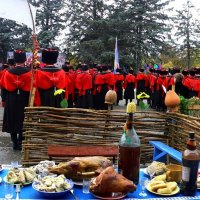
x=81 y=167
x=109 y=182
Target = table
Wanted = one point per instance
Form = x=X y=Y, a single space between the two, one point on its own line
x=27 y=192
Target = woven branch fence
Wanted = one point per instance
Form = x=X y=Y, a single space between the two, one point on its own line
x=45 y=126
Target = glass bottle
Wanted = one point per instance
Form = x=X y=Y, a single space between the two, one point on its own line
x=190 y=164
x=129 y=152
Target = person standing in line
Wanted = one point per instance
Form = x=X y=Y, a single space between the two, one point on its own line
x=49 y=79
x=119 y=80
x=129 y=86
x=83 y=84
x=71 y=88
x=15 y=85
x=104 y=81
x=141 y=83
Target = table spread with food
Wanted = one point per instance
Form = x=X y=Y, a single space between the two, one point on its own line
x=46 y=180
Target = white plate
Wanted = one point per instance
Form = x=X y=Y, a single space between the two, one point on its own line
x=148 y=187
x=115 y=196
x=5 y=180
x=79 y=183
x=54 y=195
x=145 y=171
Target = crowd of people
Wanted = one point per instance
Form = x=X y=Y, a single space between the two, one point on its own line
x=83 y=87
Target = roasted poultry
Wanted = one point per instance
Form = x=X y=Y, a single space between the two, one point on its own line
x=81 y=167
x=109 y=181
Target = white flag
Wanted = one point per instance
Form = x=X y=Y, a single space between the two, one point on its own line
x=17 y=10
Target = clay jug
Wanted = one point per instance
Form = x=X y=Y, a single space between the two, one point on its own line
x=172 y=99
x=110 y=97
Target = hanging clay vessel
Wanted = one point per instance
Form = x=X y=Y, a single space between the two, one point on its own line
x=172 y=101
x=110 y=97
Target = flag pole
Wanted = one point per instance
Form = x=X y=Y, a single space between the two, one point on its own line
x=34 y=59
x=33 y=24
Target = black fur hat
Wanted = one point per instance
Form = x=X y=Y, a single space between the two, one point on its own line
x=176 y=70
x=49 y=56
x=84 y=67
x=192 y=72
x=119 y=70
x=131 y=71
x=185 y=72
x=19 y=56
x=11 y=61
x=152 y=70
x=141 y=69
x=104 y=68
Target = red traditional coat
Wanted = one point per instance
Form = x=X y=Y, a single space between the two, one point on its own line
x=159 y=82
x=71 y=88
x=140 y=77
x=197 y=85
x=11 y=82
x=118 y=77
x=169 y=81
x=152 y=81
x=83 y=82
x=190 y=83
x=46 y=80
x=101 y=79
x=2 y=73
x=130 y=78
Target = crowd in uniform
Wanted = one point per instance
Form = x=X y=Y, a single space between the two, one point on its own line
x=83 y=87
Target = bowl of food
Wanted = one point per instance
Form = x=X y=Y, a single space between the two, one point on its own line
x=23 y=176
x=174 y=173
x=52 y=186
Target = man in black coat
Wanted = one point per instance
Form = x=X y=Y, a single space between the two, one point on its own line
x=15 y=85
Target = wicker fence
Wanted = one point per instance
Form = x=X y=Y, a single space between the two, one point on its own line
x=44 y=126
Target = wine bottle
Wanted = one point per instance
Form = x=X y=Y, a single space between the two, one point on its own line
x=129 y=149
x=190 y=164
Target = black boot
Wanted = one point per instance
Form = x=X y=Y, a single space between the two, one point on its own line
x=16 y=145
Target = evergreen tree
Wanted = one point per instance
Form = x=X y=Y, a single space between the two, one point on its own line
x=13 y=36
x=187 y=32
x=49 y=20
x=144 y=29
x=88 y=30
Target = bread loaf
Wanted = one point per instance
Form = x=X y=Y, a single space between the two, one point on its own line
x=165 y=190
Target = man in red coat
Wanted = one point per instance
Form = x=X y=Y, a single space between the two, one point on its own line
x=104 y=81
x=129 y=86
x=15 y=85
x=119 y=80
x=141 y=83
x=83 y=85
x=49 y=79
x=71 y=89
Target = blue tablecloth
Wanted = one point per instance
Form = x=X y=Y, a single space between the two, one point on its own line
x=27 y=192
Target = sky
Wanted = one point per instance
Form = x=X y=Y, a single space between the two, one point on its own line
x=18 y=10
x=11 y=8
x=178 y=4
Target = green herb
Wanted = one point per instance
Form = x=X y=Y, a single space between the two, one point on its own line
x=143 y=106
x=64 y=103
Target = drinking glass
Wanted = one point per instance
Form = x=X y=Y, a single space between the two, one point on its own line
x=143 y=183
x=86 y=185
x=8 y=190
